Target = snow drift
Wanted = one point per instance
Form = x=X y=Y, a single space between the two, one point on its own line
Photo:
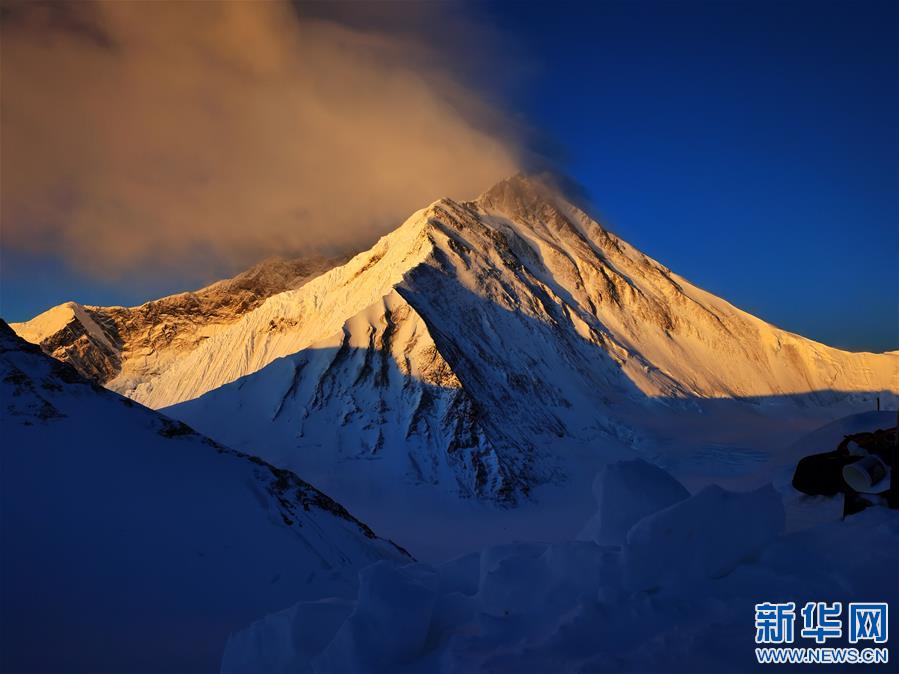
x=677 y=596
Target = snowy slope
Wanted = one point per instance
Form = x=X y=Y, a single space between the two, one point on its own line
x=122 y=346
x=673 y=592
x=486 y=346
x=131 y=543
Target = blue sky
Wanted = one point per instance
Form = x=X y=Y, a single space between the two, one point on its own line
x=751 y=147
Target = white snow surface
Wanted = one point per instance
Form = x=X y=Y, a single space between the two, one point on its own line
x=677 y=596
x=131 y=543
x=626 y=492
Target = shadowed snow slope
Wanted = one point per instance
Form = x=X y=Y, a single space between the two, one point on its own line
x=131 y=543
x=676 y=594
x=480 y=342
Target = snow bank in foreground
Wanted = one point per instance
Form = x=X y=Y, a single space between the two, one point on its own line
x=705 y=536
x=677 y=595
x=626 y=492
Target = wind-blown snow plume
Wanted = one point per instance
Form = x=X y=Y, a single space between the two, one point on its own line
x=150 y=134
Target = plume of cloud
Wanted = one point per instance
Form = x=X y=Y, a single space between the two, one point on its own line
x=147 y=136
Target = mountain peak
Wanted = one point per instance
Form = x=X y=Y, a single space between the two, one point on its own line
x=544 y=202
x=522 y=192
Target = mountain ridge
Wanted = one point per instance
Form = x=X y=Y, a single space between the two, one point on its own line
x=119 y=346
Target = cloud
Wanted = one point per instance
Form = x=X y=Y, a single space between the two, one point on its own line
x=147 y=136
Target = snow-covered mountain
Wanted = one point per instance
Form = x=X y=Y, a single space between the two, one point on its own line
x=480 y=341
x=484 y=346
x=131 y=543
x=522 y=248
x=123 y=346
